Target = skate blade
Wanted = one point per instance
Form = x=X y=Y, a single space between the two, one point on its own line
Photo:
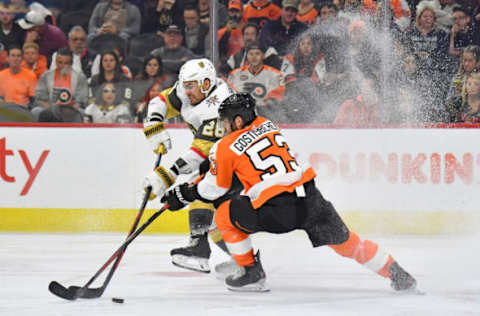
x=411 y=291
x=191 y=263
x=255 y=287
x=414 y=291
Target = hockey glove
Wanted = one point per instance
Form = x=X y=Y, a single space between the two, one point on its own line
x=160 y=180
x=158 y=136
x=179 y=196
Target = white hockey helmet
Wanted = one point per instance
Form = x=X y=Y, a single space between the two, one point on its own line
x=198 y=70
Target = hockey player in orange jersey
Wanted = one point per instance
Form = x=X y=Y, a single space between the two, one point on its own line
x=279 y=196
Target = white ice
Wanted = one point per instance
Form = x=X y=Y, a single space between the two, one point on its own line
x=303 y=281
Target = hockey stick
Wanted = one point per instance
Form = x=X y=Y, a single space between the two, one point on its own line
x=86 y=292
x=73 y=292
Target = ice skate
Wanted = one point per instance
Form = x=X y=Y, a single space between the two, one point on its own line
x=194 y=256
x=401 y=279
x=224 y=269
x=248 y=278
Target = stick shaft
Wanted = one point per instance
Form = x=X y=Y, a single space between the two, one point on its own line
x=119 y=253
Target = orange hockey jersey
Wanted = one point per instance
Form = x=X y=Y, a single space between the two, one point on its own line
x=259 y=155
x=259 y=11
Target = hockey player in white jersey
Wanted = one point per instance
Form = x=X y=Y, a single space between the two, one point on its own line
x=196 y=97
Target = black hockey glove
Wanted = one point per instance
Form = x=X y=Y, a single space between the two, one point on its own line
x=180 y=196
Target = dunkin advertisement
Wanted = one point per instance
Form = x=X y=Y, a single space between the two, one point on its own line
x=358 y=170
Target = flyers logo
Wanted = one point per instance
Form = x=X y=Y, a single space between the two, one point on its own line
x=257 y=90
x=63 y=96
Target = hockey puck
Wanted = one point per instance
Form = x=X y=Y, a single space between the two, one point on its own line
x=117 y=300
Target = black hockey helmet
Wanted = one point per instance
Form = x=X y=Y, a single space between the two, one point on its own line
x=238 y=104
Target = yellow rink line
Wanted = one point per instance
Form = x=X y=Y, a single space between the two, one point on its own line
x=120 y=220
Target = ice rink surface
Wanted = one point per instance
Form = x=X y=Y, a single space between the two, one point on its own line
x=303 y=281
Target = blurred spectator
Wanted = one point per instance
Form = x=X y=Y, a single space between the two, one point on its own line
x=260 y=11
x=173 y=54
x=330 y=34
x=364 y=55
x=356 y=7
x=204 y=10
x=425 y=39
x=151 y=81
x=108 y=107
x=33 y=61
x=77 y=43
x=467 y=108
x=361 y=111
x=469 y=63
x=230 y=36
x=339 y=4
x=115 y=17
x=264 y=83
x=406 y=90
x=194 y=32
x=444 y=13
x=11 y=34
x=327 y=11
x=307 y=12
x=95 y=70
x=63 y=86
x=159 y=14
x=282 y=32
x=250 y=34
x=302 y=94
x=110 y=71
x=397 y=12
x=307 y=62
x=462 y=32
x=430 y=44
x=17 y=84
x=48 y=37
x=410 y=90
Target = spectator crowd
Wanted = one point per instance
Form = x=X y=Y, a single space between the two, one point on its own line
x=348 y=62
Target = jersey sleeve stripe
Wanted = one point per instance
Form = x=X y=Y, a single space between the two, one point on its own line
x=199 y=152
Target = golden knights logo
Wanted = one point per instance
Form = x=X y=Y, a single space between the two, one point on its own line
x=212 y=101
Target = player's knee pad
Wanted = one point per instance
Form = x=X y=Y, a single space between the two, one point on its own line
x=323 y=224
x=243 y=216
x=200 y=217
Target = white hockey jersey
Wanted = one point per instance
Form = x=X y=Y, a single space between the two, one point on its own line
x=201 y=118
x=267 y=83
x=111 y=114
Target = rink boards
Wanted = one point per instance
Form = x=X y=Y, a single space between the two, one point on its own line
x=79 y=178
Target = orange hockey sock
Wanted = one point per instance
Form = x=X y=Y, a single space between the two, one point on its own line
x=238 y=243
x=367 y=253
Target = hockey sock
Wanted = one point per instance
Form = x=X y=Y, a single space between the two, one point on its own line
x=218 y=240
x=367 y=253
x=199 y=220
x=238 y=243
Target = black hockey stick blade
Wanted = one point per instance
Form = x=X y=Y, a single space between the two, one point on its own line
x=86 y=292
x=73 y=292
x=59 y=290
